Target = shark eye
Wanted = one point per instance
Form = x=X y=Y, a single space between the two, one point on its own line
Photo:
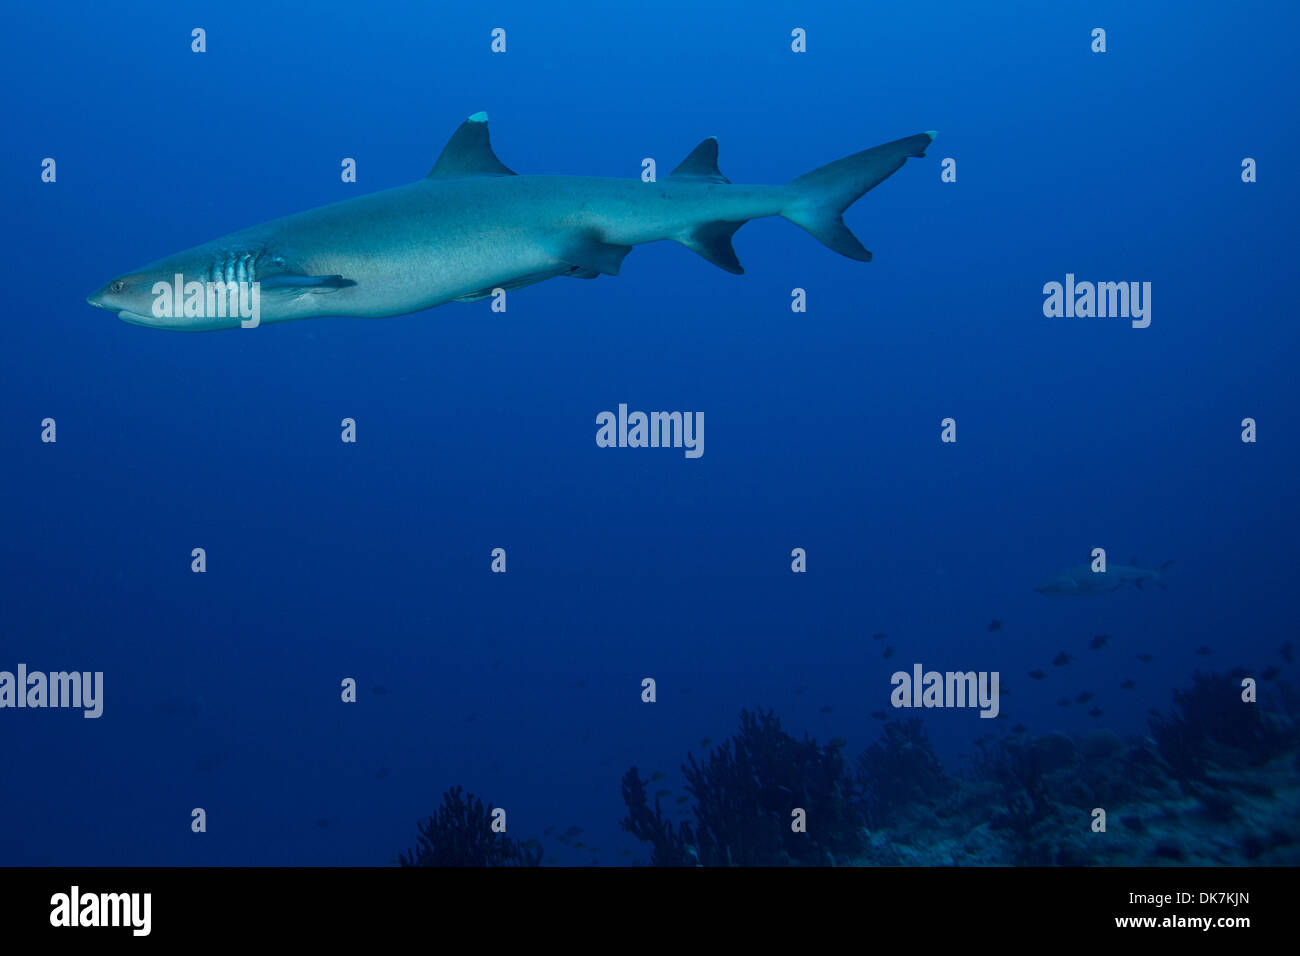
x=117 y=286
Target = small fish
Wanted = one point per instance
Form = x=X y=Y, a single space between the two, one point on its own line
x=801 y=688
x=995 y=625
x=1145 y=658
x=1018 y=729
x=663 y=793
x=1037 y=674
x=624 y=852
x=706 y=743
x=1095 y=712
x=1129 y=684
x=878 y=636
x=1098 y=642
x=573 y=831
x=1287 y=651
x=549 y=830
x=683 y=799
x=381 y=773
x=1063 y=702
x=879 y=715
x=889 y=652
x=1270 y=673
x=1084 y=697
x=580 y=845
x=210 y=761
x=1005 y=692
x=838 y=743
x=379 y=690
x=658 y=775
x=471 y=718
x=1061 y=659
x=580 y=682
x=179 y=707
x=826 y=708
x=552 y=860
x=1204 y=651
x=323 y=822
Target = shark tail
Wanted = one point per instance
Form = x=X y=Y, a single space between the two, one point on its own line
x=819 y=198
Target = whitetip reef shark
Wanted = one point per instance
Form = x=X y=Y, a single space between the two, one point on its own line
x=1082 y=580
x=473 y=226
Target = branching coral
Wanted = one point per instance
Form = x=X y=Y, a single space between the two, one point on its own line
x=900 y=771
x=460 y=834
x=1211 y=725
x=672 y=847
x=747 y=789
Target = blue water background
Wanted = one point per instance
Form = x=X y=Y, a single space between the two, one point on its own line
x=476 y=429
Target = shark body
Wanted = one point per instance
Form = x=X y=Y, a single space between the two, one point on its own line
x=473 y=226
x=1082 y=580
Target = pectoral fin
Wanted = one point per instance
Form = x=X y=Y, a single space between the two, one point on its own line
x=508 y=286
x=590 y=254
x=298 y=284
x=713 y=241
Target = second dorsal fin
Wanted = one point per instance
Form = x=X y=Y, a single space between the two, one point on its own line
x=469 y=153
x=702 y=164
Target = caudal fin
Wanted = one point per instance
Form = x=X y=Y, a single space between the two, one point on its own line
x=818 y=199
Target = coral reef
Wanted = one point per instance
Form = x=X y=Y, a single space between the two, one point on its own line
x=1217 y=783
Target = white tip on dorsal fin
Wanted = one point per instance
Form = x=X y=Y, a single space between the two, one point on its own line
x=701 y=164
x=469 y=153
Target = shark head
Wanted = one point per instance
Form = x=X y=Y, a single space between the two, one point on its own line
x=1059 y=585
x=217 y=286
x=130 y=297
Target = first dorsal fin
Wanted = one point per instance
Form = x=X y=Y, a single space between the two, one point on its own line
x=468 y=152
x=702 y=164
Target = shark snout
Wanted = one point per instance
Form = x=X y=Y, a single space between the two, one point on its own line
x=102 y=298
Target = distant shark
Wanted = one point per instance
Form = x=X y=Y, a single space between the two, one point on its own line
x=473 y=226
x=1082 y=579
